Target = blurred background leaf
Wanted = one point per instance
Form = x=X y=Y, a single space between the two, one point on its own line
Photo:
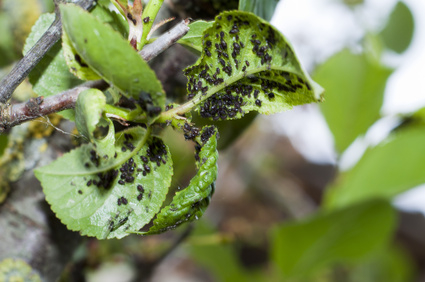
x=384 y=171
x=300 y=248
x=262 y=8
x=354 y=94
x=398 y=32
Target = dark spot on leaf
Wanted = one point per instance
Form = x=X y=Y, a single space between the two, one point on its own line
x=79 y=61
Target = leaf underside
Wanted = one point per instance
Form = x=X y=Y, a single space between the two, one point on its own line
x=247 y=65
x=111 y=57
x=190 y=203
x=89 y=118
x=109 y=198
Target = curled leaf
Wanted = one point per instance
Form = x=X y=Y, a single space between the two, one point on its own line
x=190 y=203
x=89 y=119
x=247 y=65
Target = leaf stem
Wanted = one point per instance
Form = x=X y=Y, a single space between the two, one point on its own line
x=148 y=17
x=126 y=114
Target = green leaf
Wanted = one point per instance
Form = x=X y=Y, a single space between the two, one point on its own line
x=112 y=58
x=115 y=20
x=76 y=64
x=384 y=171
x=246 y=65
x=87 y=193
x=392 y=264
x=398 y=32
x=354 y=95
x=89 y=116
x=191 y=203
x=51 y=75
x=193 y=38
x=350 y=234
x=262 y=8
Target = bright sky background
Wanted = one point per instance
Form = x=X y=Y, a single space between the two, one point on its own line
x=320 y=28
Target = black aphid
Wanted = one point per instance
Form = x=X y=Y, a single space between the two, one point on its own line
x=147 y=168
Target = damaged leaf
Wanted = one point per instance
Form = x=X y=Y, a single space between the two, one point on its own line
x=191 y=203
x=247 y=65
x=109 y=198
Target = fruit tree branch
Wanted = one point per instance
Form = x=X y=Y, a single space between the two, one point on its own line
x=12 y=115
x=21 y=70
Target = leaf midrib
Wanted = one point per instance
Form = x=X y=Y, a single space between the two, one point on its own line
x=213 y=90
x=133 y=153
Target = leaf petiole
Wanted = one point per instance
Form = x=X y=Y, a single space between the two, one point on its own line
x=148 y=17
x=125 y=114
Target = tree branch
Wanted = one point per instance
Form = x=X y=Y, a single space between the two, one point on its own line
x=12 y=115
x=152 y=50
x=21 y=70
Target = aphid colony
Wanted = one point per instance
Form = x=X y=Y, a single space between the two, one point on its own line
x=156 y=154
x=253 y=86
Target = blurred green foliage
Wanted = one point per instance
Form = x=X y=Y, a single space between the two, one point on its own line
x=262 y=8
x=384 y=171
x=301 y=247
x=354 y=94
x=398 y=32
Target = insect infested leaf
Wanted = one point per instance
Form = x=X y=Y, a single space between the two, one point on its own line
x=111 y=57
x=193 y=38
x=247 y=65
x=89 y=117
x=51 y=75
x=109 y=197
x=190 y=203
x=149 y=14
